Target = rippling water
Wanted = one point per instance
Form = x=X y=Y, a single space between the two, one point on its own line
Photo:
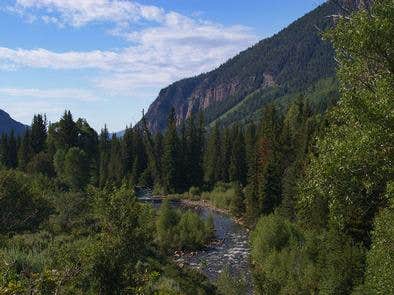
x=232 y=249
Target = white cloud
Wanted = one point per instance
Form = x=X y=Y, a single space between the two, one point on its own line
x=80 y=12
x=66 y=93
x=42 y=58
x=170 y=45
x=164 y=46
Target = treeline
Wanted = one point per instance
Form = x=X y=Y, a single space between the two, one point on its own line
x=316 y=189
x=333 y=230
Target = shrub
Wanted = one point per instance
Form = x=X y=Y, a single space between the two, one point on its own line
x=181 y=230
x=20 y=208
x=192 y=232
x=221 y=196
x=228 y=284
x=380 y=258
x=194 y=191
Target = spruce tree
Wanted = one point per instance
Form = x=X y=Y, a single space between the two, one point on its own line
x=141 y=158
x=115 y=165
x=171 y=156
x=213 y=157
x=24 y=151
x=4 y=149
x=128 y=151
x=38 y=133
x=67 y=132
x=226 y=147
x=104 y=147
x=12 y=156
x=238 y=169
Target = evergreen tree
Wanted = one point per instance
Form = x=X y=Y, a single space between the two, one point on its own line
x=104 y=147
x=87 y=139
x=141 y=158
x=213 y=156
x=153 y=148
x=227 y=147
x=269 y=170
x=66 y=132
x=115 y=165
x=158 y=148
x=24 y=151
x=195 y=148
x=38 y=133
x=171 y=156
x=12 y=156
x=185 y=164
x=237 y=205
x=128 y=151
x=4 y=149
x=238 y=169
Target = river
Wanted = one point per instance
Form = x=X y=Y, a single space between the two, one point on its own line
x=230 y=251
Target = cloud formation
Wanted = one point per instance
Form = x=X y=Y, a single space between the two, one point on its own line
x=164 y=46
x=65 y=93
x=80 y=12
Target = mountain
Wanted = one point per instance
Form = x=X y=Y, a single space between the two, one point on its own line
x=294 y=62
x=7 y=124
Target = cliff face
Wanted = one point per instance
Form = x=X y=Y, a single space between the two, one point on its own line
x=7 y=124
x=292 y=60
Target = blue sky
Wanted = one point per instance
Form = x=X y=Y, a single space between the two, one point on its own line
x=106 y=60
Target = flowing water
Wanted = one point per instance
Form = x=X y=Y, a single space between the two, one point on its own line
x=230 y=249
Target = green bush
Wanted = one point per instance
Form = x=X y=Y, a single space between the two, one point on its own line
x=228 y=284
x=191 y=231
x=287 y=260
x=181 y=230
x=221 y=196
x=380 y=258
x=194 y=191
x=20 y=207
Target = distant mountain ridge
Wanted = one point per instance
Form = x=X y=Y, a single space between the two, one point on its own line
x=7 y=124
x=278 y=68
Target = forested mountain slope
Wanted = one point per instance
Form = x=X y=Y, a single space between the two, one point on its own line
x=286 y=64
x=7 y=124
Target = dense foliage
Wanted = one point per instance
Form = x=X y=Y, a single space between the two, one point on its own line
x=182 y=230
x=314 y=184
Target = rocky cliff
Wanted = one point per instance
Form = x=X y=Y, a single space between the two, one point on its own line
x=292 y=60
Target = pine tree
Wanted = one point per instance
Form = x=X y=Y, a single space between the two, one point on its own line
x=237 y=205
x=67 y=132
x=269 y=171
x=238 y=169
x=171 y=156
x=128 y=151
x=153 y=149
x=38 y=133
x=185 y=158
x=158 y=148
x=213 y=156
x=141 y=158
x=4 y=150
x=12 y=157
x=227 y=147
x=195 y=148
x=115 y=165
x=24 y=151
x=104 y=147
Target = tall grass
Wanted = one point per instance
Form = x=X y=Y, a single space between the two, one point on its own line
x=221 y=196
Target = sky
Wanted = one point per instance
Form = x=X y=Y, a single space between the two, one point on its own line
x=106 y=60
